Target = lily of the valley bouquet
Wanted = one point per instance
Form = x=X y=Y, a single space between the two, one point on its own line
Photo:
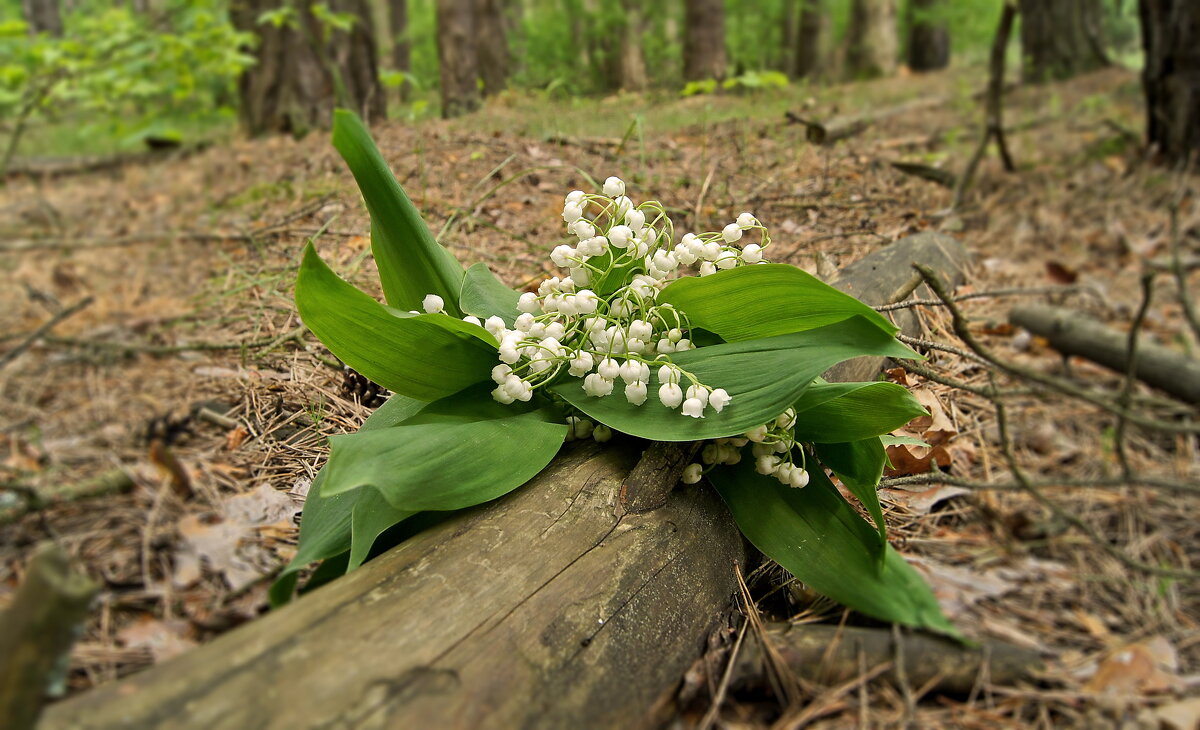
x=643 y=331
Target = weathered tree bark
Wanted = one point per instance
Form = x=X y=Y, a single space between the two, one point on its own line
x=36 y=633
x=1072 y=333
x=928 y=36
x=871 y=43
x=835 y=654
x=457 y=56
x=43 y=16
x=305 y=70
x=1171 y=76
x=811 y=30
x=491 y=32
x=1061 y=38
x=704 y=40
x=556 y=606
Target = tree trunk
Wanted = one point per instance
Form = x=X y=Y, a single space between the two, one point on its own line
x=304 y=70
x=810 y=34
x=871 y=42
x=704 y=40
x=1060 y=38
x=1171 y=77
x=43 y=17
x=457 y=56
x=492 y=35
x=631 y=62
x=928 y=36
x=401 y=47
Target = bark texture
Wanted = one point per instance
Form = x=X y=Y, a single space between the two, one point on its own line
x=458 y=57
x=305 y=70
x=928 y=36
x=491 y=28
x=704 y=40
x=811 y=30
x=43 y=16
x=540 y=610
x=1061 y=38
x=871 y=44
x=631 y=63
x=1171 y=77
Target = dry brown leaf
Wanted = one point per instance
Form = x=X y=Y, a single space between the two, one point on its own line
x=908 y=460
x=1145 y=668
x=936 y=428
x=1183 y=715
x=163 y=639
x=1061 y=273
x=235 y=437
x=923 y=501
x=956 y=588
x=225 y=541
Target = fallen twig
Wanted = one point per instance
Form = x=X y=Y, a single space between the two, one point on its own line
x=112 y=482
x=42 y=330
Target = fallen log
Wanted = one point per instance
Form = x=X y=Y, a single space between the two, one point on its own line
x=831 y=655
x=1072 y=333
x=563 y=604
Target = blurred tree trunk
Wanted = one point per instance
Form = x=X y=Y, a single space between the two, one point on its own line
x=928 y=36
x=704 y=40
x=1171 y=76
x=457 y=56
x=1061 y=38
x=43 y=17
x=871 y=42
x=306 y=69
x=810 y=34
x=631 y=61
x=401 y=47
x=491 y=30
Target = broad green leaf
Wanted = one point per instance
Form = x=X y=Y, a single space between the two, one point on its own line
x=426 y=356
x=371 y=516
x=836 y=412
x=325 y=523
x=814 y=534
x=748 y=302
x=411 y=263
x=859 y=464
x=483 y=295
x=459 y=453
x=763 y=376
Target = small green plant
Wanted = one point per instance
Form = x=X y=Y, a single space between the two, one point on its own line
x=489 y=383
x=747 y=82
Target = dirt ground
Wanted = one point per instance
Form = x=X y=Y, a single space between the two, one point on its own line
x=185 y=397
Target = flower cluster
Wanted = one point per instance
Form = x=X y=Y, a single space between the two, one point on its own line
x=773 y=450
x=620 y=338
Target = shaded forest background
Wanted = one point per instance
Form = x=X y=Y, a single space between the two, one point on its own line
x=91 y=77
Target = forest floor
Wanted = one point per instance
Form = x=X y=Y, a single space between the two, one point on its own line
x=186 y=368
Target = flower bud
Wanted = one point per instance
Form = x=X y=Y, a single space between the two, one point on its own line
x=619 y=236
x=752 y=253
x=665 y=346
x=623 y=206
x=582 y=428
x=746 y=220
x=731 y=233
x=524 y=322
x=756 y=434
x=583 y=228
x=798 y=478
x=636 y=220
x=684 y=345
x=495 y=325
x=614 y=187
x=572 y=212
x=601 y=433
x=594 y=246
x=582 y=276
x=692 y=474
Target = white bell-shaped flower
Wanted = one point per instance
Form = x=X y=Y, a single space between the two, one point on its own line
x=581 y=364
x=576 y=196
x=671 y=395
x=433 y=304
x=731 y=233
x=707 y=268
x=636 y=220
x=693 y=407
x=563 y=255
x=636 y=392
x=609 y=368
x=614 y=187
x=699 y=392
x=501 y=395
x=495 y=326
x=620 y=235
x=597 y=386
x=582 y=276
x=752 y=253
x=718 y=399
x=668 y=374
x=572 y=212
x=528 y=302
x=798 y=478
x=593 y=246
x=583 y=229
x=524 y=322
x=500 y=373
x=746 y=220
